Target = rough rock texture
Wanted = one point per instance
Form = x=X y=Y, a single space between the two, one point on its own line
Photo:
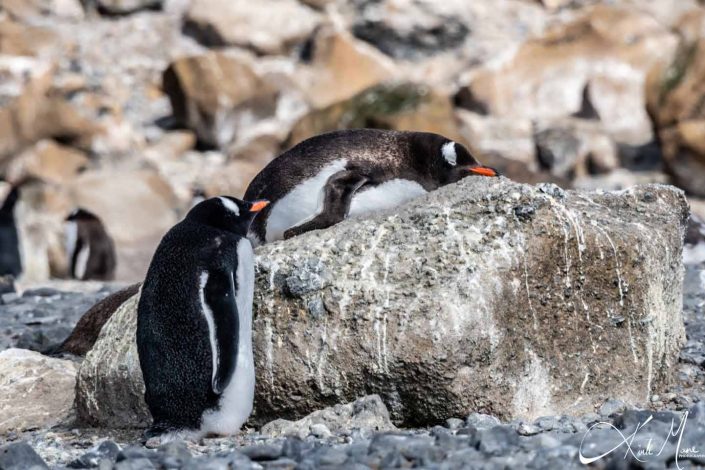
x=676 y=98
x=341 y=67
x=484 y=296
x=37 y=391
x=610 y=49
x=109 y=392
x=268 y=27
x=213 y=107
x=365 y=413
x=487 y=295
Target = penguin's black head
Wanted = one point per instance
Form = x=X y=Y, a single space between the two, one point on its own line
x=457 y=163
x=227 y=213
x=449 y=161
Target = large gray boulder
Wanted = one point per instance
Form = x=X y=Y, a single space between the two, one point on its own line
x=485 y=296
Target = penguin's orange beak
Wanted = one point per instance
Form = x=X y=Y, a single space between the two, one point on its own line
x=259 y=205
x=483 y=170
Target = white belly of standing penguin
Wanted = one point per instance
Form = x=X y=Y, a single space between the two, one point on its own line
x=306 y=201
x=237 y=399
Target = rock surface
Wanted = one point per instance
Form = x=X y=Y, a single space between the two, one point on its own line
x=111 y=393
x=37 y=391
x=268 y=27
x=486 y=295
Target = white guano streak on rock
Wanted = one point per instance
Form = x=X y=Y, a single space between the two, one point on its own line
x=269 y=351
x=534 y=390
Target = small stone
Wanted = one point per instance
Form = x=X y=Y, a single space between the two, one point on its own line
x=497 y=440
x=552 y=190
x=20 y=456
x=107 y=450
x=176 y=451
x=481 y=421
x=612 y=407
x=454 y=423
x=134 y=464
x=655 y=398
x=524 y=212
x=528 y=429
x=320 y=431
x=547 y=423
x=316 y=308
x=281 y=464
x=263 y=452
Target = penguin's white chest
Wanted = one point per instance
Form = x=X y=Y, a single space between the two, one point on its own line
x=237 y=399
x=302 y=203
x=385 y=196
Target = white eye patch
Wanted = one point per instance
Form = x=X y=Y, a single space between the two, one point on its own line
x=230 y=205
x=449 y=153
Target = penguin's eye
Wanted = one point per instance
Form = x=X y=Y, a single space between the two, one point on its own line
x=449 y=153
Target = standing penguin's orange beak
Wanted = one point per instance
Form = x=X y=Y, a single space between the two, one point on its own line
x=259 y=205
x=483 y=170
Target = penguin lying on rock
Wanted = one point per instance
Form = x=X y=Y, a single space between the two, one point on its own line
x=327 y=178
x=194 y=323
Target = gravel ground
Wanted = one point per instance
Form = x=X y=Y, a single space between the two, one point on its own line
x=665 y=436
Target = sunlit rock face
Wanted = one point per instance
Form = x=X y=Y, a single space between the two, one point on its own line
x=486 y=295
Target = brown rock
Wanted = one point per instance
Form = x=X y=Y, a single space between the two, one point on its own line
x=37 y=391
x=48 y=161
x=507 y=137
x=341 y=67
x=215 y=94
x=401 y=106
x=23 y=40
x=267 y=27
x=32 y=113
x=136 y=207
x=676 y=94
x=31 y=10
x=609 y=48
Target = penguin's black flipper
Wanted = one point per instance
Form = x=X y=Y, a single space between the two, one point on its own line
x=220 y=297
x=338 y=193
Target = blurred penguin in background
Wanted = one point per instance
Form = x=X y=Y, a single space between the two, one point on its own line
x=90 y=250
x=10 y=261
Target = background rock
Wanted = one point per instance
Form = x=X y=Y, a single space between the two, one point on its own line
x=38 y=391
x=268 y=27
x=511 y=310
x=203 y=94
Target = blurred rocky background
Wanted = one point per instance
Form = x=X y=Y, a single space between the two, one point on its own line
x=130 y=108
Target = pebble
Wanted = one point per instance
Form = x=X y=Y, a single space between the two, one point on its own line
x=481 y=421
x=320 y=431
x=454 y=423
x=20 y=456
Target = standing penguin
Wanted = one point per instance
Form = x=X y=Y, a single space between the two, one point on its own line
x=194 y=323
x=10 y=261
x=91 y=251
x=326 y=178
